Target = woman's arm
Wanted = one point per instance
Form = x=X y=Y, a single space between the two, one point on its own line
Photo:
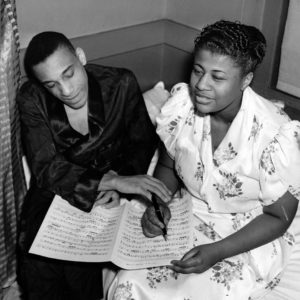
x=273 y=223
x=268 y=226
x=165 y=172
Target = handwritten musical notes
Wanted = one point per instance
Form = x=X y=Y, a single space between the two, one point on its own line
x=112 y=235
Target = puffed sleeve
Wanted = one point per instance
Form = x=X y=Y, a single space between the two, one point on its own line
x=280 y=164
x=173 y=115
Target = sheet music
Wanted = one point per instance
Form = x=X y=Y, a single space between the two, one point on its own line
x=111 y=235
x=133 y=250
x=70 y=234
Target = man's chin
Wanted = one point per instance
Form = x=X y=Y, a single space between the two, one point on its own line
x=75 y=104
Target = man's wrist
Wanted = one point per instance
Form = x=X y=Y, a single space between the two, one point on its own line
x=108 y=181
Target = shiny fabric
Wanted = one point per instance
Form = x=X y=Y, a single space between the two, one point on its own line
x=121 y=137
x=12 y=183
x=64 y=162
x=255 y=164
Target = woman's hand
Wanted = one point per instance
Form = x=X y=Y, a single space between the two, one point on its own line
x=144 y=185
x=150 y=224
x=197 y=260
x=107 y=199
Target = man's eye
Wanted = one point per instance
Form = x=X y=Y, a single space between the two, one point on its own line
x=69 y=74
x=49 y=85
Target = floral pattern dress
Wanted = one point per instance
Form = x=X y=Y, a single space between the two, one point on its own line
x=255 y=164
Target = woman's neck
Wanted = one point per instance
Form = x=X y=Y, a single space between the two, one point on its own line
x=227 y=114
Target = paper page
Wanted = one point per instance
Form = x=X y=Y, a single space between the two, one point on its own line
x=70 y=234
x=134 y=251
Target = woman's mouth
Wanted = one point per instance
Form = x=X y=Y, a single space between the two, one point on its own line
x=202 y=99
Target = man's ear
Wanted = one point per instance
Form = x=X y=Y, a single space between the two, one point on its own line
x=247 y=80
x=81 y=55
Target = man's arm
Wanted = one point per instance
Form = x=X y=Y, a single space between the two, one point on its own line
x=51 y=170
x=141 y=137
x=139 y=141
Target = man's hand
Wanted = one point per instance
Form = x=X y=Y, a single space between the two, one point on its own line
x=144 y=185
x=150 y=224
x=107 y=199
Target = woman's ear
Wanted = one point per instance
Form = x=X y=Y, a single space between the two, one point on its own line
x=247 y=80
x=81 y=55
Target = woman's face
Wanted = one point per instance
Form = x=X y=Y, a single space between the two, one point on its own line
x=216 y=83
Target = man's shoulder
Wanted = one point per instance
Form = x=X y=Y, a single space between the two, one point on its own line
x=29 y=85
x=30 y=89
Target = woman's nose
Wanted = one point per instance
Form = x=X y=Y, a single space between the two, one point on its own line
x=203 y=82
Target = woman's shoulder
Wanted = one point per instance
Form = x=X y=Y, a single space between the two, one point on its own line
x=178 y=102
x=178 y=105
x=268 y=114
x=173 y=115
x=280 y=162
x=179 y=88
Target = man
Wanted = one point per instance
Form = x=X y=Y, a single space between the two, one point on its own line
x=87 y=136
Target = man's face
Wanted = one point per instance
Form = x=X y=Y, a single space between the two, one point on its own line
x=63 y=75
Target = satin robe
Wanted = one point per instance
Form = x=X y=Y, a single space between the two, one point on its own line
x=64 y=162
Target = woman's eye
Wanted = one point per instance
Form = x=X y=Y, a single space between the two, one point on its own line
x=218 y=78
x=197 y=71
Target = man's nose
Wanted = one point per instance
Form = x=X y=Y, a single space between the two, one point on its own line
x=66 y=88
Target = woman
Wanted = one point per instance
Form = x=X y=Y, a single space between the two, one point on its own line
x=238 y=158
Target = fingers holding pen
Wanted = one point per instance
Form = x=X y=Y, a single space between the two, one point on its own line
x=151 y=225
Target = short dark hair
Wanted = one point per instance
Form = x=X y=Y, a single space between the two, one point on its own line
x=42 y=46
x=246 y=45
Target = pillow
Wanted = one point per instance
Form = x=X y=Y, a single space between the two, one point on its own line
x=154 y=99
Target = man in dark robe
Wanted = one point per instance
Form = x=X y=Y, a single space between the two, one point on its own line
x=87 y=138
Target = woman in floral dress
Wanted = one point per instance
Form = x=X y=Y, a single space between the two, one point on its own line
x=237 y=156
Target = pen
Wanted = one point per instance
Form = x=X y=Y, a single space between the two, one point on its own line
x=160 y=217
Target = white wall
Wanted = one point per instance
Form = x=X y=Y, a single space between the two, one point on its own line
x=82 y=17
x=196 y=13
x=93 y=21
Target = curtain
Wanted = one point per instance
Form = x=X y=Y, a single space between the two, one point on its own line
x=12 y=181
x=289 y=70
